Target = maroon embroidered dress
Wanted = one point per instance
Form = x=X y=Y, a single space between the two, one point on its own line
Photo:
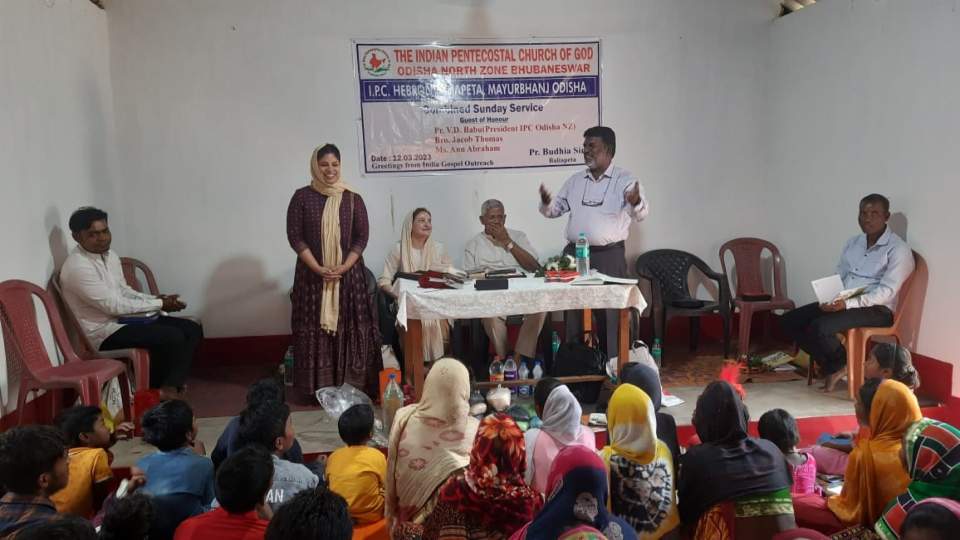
x=352 y=355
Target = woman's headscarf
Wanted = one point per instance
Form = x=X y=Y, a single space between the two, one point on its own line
x=728 y=464
x=578 y=497
x=640 y=467
x=430 y=251
x=429 y=440
x=491 y=491
x=330 y=238
x=874 y=473
x=647 y=379
x=562 y=417
x=932 y=450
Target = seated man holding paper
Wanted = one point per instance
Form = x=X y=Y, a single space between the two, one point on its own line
x=498 y=247
x=872 y=268
x=115 y=316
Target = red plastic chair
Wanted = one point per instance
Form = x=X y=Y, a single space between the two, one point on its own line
x=26 y=352
x=750 y=296
x=130 y=267
x=138 y=359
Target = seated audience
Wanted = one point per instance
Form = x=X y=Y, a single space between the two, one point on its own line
x=875 y=474
x=643 y=488
x=930 y=450
x=562 y=426
x=242 y=485
x=732 y=477
x=312 y=514
x=417 y=252
x=270 y=427
x=499 y=247
x=95 y=290
x=779 y=427
x=647 y=379
x=178 y=467
x=127 y=517
x=576 y=506
x=90 y=472
x=878 y=260
x=800 y=534
x=891 y=361
x=932 y=519
x=358 y=472
x=264 y=390
x=430 y=441
x=63 y=527
x=33 y=466
x=490 y=498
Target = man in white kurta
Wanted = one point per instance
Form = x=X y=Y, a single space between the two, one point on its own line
x=499 y=247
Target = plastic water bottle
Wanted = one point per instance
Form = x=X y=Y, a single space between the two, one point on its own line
x=496 y=370
x=523 y=374
x=392 y=401
x=510 y=372
x=537 y=370
x=288 y=367
x=583 y=255
x=656 y=352
x=555 y=343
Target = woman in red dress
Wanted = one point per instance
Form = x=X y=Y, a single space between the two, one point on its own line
x=335 y=335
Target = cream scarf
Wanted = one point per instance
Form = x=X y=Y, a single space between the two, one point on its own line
x=330 y=238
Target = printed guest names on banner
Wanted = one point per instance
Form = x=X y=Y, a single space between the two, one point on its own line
x=428 y=107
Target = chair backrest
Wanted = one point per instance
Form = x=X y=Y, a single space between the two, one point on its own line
x=669 y=269
x=23 y=341
x=910 y=301
x=130 y=267
x=747 y=261
x=75 y=333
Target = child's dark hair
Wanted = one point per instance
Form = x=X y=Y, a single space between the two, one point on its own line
x=62 y=527
x=262 y=425
x=244 y=479
x=780 y=428
x=542 y=391
x=26 y=452
x=77 y=420
x=166 y=425
x=129 y=517
x=900 y=363
x=931 y=518
x=312 y=513
x=264 y=390
x=356 y=424
x=867 y=392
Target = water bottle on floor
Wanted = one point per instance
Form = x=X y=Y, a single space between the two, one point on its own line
x=583 y=255
x=656 y=352
x=288 y=367
x=555 y=343
x=510 y=372
x=392 y=401
x=537 y=370
x=524 y=373
x=496 y=370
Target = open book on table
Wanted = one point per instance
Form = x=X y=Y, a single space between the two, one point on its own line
x=599 y=278
x=830 y=289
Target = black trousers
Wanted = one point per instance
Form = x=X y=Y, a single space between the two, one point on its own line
x=172 y=343
x=815 y=331
x=611 y=260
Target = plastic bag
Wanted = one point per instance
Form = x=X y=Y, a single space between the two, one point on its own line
x=336 y=399
x=639 y=353
x=111 y=404
x=499 y=398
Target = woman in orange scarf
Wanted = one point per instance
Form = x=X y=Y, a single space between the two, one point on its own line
x=875 y=474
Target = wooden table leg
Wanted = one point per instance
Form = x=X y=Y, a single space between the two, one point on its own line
x=587 y=321
x=412 y=356
x=624 y=344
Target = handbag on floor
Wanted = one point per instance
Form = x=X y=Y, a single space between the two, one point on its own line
x=581 y=358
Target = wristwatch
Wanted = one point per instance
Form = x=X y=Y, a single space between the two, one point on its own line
x=510 y=246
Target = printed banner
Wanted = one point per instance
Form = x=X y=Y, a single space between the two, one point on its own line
x=435 y=108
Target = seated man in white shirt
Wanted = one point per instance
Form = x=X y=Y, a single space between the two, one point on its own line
x=878 y=260
x=95 y=290
x=500 y=247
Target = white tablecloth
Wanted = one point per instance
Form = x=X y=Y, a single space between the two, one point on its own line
x=525 y=295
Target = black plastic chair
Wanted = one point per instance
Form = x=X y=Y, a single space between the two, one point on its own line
x=668 y=270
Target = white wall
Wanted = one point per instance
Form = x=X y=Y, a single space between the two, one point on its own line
x=863 y=98
x=220 y=102
x=56 y=131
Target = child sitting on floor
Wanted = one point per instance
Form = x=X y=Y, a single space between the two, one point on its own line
x=90 y=472
x=357 y=472
x=780 y=428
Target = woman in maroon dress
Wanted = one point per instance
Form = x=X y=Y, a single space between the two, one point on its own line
x=335 y=335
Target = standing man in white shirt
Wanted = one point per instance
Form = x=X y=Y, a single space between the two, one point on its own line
x=500 y=247
x=878 y=260
x=602 y=201
x=95 y=290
